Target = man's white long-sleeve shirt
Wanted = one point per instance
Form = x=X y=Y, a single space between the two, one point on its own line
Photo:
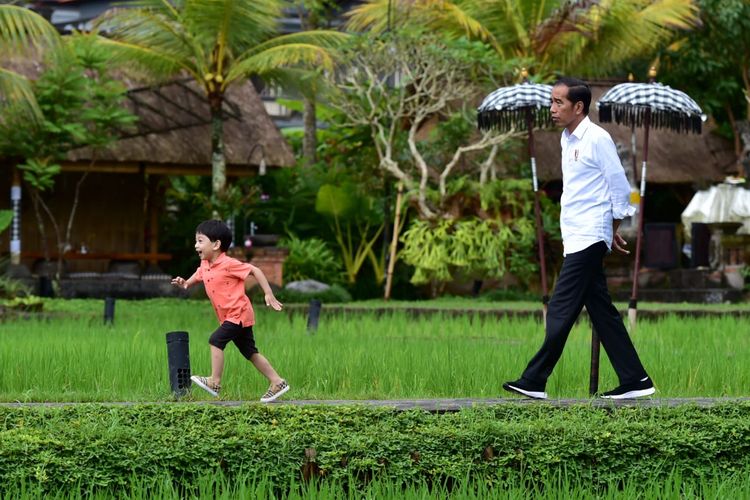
x=595 y=189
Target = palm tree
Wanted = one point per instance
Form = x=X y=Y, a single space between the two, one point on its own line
x=218 y=43
x=585 y=37
x=20 y=29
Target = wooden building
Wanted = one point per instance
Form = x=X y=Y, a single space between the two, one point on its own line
x=122 y=194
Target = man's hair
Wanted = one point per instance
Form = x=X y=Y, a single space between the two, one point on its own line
x=578 y=90
x=215 y=230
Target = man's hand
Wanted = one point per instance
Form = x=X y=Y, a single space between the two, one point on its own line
x=619 y=244
x=180 y=282
x=271 y=301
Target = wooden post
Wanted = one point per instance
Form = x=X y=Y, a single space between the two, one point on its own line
x=394 y=243
x=153 y=219
x=594 y=375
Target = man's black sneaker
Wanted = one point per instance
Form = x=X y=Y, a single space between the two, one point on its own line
x=524 y=388
x=638 y=389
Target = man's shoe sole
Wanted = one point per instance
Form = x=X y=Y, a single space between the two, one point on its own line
x=277 y=395
x=203 y=386
x=632 y=394
x=524 y=392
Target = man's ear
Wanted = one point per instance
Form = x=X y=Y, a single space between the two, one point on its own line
x=578 y=107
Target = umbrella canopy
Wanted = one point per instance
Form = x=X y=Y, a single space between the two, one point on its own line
x=507 y=107
x=522 y=106
x=627 y=104
x=648 y=105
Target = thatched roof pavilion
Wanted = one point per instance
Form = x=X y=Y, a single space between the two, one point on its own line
x=173 y=135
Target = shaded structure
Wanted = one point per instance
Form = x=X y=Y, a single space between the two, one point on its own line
x=116 y=227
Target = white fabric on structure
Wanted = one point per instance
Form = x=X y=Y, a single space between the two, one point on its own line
x=721 y=203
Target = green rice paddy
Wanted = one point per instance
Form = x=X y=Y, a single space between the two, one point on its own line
x=69 y=354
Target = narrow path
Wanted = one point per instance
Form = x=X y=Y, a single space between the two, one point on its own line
x=431 y=405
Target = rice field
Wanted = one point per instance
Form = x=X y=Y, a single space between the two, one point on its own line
x=560 y=487
x=69 y=354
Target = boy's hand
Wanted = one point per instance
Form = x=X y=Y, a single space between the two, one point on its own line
x=180 y=282
x=272 y=301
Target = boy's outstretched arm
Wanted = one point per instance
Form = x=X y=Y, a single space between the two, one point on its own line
x=183 y=283
x=271 y=300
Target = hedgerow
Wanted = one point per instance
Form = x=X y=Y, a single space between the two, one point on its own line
x=99 y=445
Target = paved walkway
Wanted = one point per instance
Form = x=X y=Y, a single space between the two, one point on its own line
x=431 y=405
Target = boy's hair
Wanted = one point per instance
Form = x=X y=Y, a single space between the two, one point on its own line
x=216 y=230
x=578 y=90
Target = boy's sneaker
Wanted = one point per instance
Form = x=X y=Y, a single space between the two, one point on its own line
x=525 y=388
x=275 y=391
x=638 y=389
x=205 y=384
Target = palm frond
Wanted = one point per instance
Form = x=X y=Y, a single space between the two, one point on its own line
x=326 y=39
x=159 y=64
x=147 y=28
x=236 y=24
x=20 y=27
x=288 y=55
x=628 y=29
x=380 y=15
x=16 y=90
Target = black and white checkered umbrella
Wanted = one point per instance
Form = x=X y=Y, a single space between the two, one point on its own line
x=508 y=107
x=628 y=103
x=648 y=105
x=522 y=106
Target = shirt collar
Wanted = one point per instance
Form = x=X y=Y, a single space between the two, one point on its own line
x=218 y=260
x=580 y=129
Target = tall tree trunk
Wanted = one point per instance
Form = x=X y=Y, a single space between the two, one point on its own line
x=310 y=140
x=218 y=160
x=76 y=199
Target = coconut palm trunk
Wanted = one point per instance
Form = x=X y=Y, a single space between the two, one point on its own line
x=218 y=158
x=309 y=141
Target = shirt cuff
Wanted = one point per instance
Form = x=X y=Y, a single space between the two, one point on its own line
x=619 y=212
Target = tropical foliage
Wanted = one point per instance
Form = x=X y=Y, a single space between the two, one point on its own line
x=582 y=37
x=80 y=105
x=20 y=30
x=216 y=43
x=713 y=66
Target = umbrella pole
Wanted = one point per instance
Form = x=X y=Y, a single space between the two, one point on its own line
x=538 y=216
x=633 y=305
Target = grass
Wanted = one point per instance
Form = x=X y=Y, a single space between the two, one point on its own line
x=560 y=487
x=70 y=355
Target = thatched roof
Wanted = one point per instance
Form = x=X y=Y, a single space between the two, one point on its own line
x=174 y=129
x=672 y=158
x=173 y=133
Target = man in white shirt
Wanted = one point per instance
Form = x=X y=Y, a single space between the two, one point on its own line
x=596 y=197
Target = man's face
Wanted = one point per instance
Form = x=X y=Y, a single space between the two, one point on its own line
x=564 y=112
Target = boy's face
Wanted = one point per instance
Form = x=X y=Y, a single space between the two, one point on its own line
x=206 y=248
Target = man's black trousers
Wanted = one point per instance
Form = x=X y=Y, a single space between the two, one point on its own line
x=582 y=283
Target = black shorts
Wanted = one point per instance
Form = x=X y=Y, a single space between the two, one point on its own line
x=231 y=332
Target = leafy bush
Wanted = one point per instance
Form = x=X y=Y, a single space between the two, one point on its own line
x=108 y=446
x=310 y=259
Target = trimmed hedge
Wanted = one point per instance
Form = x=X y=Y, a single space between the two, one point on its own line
x=107 y=446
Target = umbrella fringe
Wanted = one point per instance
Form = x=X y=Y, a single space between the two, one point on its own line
x=626 y=114
x=506 y=119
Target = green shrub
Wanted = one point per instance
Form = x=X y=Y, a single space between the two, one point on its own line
x=310 y=259
x=108 y=445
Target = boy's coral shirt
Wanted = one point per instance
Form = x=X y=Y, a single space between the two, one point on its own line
x=224 y=281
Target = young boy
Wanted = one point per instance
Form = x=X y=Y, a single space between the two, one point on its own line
x=224 y=280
